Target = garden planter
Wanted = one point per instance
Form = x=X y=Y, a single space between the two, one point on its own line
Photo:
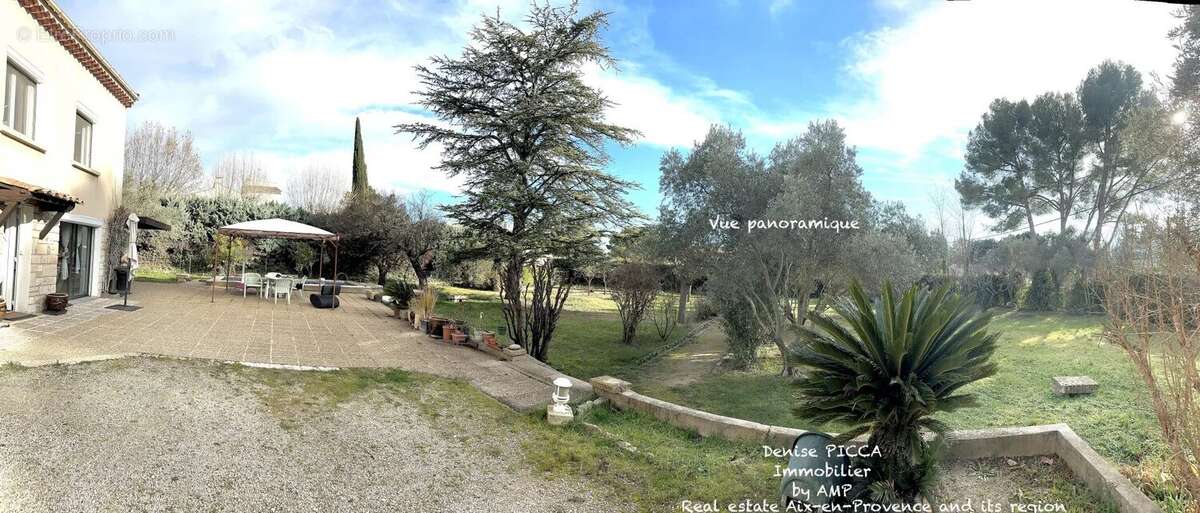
x=435 y=326
x=448 y=330
x=56 y=302
x=489 y=338
x=423 y=325
x=458 y=337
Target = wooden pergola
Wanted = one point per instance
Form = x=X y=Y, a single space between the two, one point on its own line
x=275 y=228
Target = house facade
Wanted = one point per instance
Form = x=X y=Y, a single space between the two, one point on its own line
x=62 y=140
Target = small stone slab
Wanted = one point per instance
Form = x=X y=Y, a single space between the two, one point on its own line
x=1073 y=385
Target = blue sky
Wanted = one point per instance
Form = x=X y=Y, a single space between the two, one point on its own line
x=908 y=79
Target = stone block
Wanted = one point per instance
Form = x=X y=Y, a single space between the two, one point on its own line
x=558 y=416
x=606 y=385
x=782 y=437
x=1073 y=385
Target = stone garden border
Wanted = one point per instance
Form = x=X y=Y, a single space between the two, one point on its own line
x=1101 y=477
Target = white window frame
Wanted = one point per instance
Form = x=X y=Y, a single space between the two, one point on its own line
x=10 y=97
x=86 y=153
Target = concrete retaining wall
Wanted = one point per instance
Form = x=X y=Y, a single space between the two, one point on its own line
x=1054 y=439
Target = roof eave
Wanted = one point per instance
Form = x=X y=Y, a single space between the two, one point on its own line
x=128 y=96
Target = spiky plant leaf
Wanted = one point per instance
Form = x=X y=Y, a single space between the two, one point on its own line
x=886 y=366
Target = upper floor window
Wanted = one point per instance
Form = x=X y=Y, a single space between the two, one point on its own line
x=20 y=100
x=83 y=140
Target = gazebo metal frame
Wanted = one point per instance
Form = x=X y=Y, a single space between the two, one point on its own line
x=232 y=231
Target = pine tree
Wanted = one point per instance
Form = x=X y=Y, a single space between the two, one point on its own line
x=528 y=134
x=358 y=184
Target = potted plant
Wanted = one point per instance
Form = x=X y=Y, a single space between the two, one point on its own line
x=435 y=326
x=400 y=293
x=425 y=306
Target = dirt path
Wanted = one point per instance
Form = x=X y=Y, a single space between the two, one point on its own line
x=689 y=362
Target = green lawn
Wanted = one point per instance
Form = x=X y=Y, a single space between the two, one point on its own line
x=587 y=341
x=1117 y=421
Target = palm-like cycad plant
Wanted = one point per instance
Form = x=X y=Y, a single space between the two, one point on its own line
x=886 y=368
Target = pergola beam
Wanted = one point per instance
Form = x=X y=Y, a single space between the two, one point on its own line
x=10 y=208
x=51 y=224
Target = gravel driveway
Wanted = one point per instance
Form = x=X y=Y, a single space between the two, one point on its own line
x=148 y=434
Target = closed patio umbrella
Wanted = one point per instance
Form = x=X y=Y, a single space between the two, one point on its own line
x=132 y=224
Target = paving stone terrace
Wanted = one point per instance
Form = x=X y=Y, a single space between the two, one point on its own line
x=181 y=320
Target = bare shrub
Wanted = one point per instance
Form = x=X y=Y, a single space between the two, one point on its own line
x=633 y=286
x=1152 y=298
x=665 y=317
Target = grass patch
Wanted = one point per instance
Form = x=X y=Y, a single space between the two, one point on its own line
x=291 y=396
x=586 y=343
x=1116 y=420
x=8 y=367
x=671 y=464
x=162 y=275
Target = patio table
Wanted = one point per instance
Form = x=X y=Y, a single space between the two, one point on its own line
x=270 y=279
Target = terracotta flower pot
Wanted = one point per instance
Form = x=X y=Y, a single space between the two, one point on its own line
x=489 y=338
x=448 y=331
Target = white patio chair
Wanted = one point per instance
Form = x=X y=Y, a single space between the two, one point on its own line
x=282 y=286
x=269 y=282
x=251 y=280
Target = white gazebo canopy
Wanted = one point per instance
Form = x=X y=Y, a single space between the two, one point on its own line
x=276 y=229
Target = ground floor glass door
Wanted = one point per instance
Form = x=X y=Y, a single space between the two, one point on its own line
x=8 y=261
x=74 y=259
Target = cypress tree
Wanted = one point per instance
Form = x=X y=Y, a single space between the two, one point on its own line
x=358 y=182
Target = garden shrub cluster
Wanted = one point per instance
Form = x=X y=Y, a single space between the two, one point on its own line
x=200 y=217
x=1084 y=296
x=472 y=274
x=1042 y=294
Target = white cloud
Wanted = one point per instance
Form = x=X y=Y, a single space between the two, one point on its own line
x=664 y=117
x=285 y=80
x=930 y=78
x=394 y=162
x=778 y=6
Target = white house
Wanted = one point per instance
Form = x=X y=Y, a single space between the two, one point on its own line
x=62 y=142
